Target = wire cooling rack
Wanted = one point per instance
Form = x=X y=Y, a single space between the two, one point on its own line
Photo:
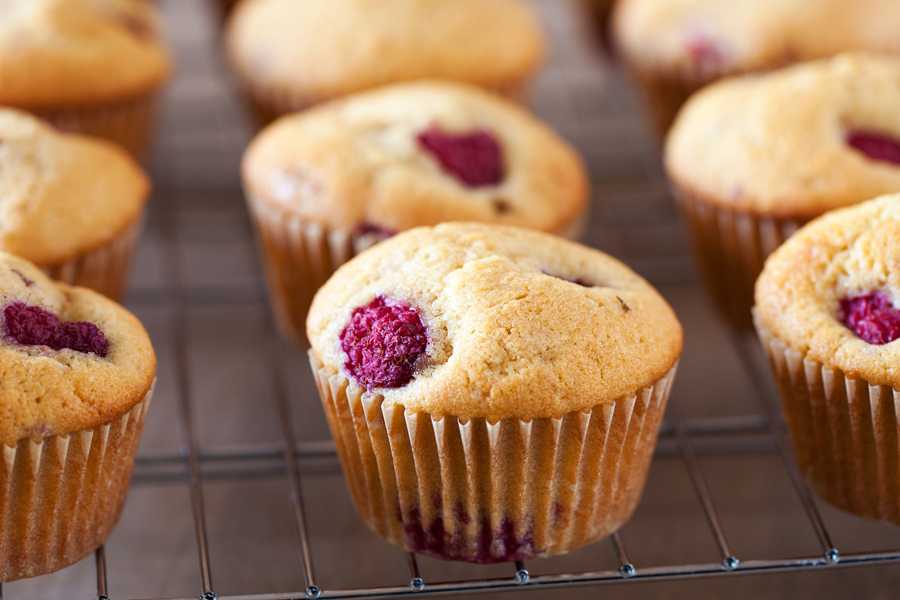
x=197 y=263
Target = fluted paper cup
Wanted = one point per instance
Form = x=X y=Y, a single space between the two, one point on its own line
x=61 y=496
x=490 y=492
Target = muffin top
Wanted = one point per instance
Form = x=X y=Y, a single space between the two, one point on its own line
x=691 y=36
x=327 y=48
x=70 y=359
x=793 y=143
x=417 y=154
x=488 y=321
x=833 y=291
x=59 y=53
x=62 y=194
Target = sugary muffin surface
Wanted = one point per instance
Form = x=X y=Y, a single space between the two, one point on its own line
x=840 y=269
x=79 y=52
x=794 y=143
x=102 y=364
x=62 y=194
x=417 y=154
x=517 y=323
x=329 y=48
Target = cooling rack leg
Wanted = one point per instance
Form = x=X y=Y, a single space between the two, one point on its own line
x=626 y=569
x=100 y=559
x=522 y=575
x=416 y=583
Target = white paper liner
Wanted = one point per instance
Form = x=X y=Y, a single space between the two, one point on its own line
x=490 y=492
x=103 y=269
x=129 y=123
x=60 y=497
x=731 y=248
x=844 y=431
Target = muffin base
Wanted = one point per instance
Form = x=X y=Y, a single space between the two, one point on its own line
x=731 y=248
x=844 y=431
x=61 y=496
x=103 y=269
x=127 y=123
x=492 y=492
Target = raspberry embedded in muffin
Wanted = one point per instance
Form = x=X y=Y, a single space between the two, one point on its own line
x=29 y=325
x=872 y=317
x=877 y=146
x=383 y=341
x=475 y=158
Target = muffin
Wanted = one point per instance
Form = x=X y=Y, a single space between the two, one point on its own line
x=827 y=315
x=494 y=393
x=672 y=48
x=752 y=159
x=291 y=54
x=90 y=66
x=324 y=184
x=77 y=378
x=69 y=203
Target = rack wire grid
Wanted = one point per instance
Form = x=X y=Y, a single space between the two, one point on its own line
x=237 y=490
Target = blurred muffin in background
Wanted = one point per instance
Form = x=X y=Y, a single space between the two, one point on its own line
x=291 y=54
x=751 y=159
x=325 y=184
x=90 y=66
x=674 y=47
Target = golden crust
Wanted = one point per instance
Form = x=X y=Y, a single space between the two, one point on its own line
x=63 y=194
x=749 y=35
x=506 y=339
x=322 y=49
x=63 y=53
x=357 y=161
x=776 y=145
x=45 y=392
x=844 y=253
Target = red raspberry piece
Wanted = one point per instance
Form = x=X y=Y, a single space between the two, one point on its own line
x=475 y=159
x=29 y=325
x=877 y=146
x=872 y=317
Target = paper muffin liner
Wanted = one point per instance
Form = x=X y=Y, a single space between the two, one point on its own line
x=300 y=255
x=61 y=496
x=844 y=431
x=490 y=492
x=731 y=248
x=105 y=268
x=127 y=123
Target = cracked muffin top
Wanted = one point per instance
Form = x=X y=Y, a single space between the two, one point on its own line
x=321 y=49
x=495 y=322
x=79 y=52
x=793 y=143
x=63 y=194
x=70 y=359
x=418 y=154
x=833 y=291
x=690 y=36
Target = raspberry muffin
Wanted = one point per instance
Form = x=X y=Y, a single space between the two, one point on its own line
x=91 y=66
x=325 y=184
x=828 y=313
x=495 y=393
x=752 y=159
x=674 y=47
x=69 y=203
x=77 y=376
x=291 y=54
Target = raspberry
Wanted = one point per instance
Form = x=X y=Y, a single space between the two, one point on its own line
x=877 y=146
x=34 y=326
x=367 y=228
x=871 y=317
x=383 y=341
x=475 y=159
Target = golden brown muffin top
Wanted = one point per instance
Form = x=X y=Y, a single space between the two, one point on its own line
x=848 y=253
x=46 y=391
x=514 y=323
x=783 y=143
x=62 y=194
x=363 y=161
x=60 y=53
x=691 y=36
x=321 y=49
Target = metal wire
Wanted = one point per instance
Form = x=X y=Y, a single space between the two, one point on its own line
x=100 y=559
